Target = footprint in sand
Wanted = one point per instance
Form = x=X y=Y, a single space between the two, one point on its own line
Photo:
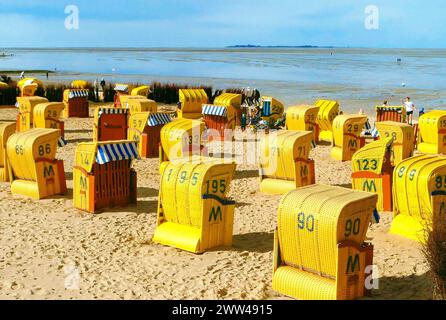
x=37 y=291
x=222 y=293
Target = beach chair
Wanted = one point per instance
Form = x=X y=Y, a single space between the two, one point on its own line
x=26 y=81
x=419 y=193
x=34 y=170
x=328 y=110
x=347 y=136
x=125 y=98
x=121 y=89
x=25 y=120
x=80 y=84
x=372 y=171
x=140 y=91
x=145 y=129
x=110 y=124
x=272 y=109
x=136 y=104
x=76 y=102
x=320 y=251
x=47 y=115
x=191 y=101
x=403 y=138
x=194 y=213
x=303 y=118
x=432 y=132
x=28 y=86
x=220 y=122
x=6 y=130
x=103 y=176
x=233 y=100
x=181 y=138
x=391 y=113
x=284 y=161
x=28 y=90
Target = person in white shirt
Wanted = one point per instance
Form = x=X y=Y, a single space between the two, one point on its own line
x=410 y=107
x=96 y=89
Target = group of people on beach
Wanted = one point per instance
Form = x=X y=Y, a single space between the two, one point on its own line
x=96 y=85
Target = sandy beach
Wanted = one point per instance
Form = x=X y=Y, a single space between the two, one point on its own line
x=42 y=243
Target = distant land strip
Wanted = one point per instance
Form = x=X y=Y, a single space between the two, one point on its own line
x=297 y=47
x=26 y=71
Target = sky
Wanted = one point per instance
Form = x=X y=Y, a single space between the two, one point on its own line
x=219 y=23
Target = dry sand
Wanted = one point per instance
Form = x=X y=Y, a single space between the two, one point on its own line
x=43 y=244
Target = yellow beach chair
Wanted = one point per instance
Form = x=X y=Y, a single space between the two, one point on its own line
x=194 y=213
x=303 y=118
x=6 y=130
x=47 y=115
x=234 y=100
x=272 y=109
x=137 y=104
x=403 y=138
x=191 y=101
x=320 y=251
x=181 y=138
x=419 y=193
x=284 y=161
x=140 y=91
x=34 y=170
x=372 y=171
x=328 y=110
x=347 y=136
x=432 y=132
x=26 y=111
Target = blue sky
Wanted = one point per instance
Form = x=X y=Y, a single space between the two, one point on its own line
x=212 y=23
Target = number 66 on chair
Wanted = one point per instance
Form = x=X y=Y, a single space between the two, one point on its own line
x=34 y=171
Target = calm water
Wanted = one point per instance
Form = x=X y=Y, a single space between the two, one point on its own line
x=293 y=75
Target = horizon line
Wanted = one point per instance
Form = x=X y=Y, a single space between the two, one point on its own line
x=248 y=46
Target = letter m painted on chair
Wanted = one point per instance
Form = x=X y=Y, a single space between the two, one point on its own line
x=215 y=213
x=352 y=264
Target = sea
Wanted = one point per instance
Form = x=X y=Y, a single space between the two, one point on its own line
x=359 y=78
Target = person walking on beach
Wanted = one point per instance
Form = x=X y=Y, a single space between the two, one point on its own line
x=96 y=89
x=103 y=88
x=410 y=107
x=22 y=75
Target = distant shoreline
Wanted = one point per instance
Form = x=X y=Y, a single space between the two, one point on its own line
x=281 y=47
x=25 y=70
